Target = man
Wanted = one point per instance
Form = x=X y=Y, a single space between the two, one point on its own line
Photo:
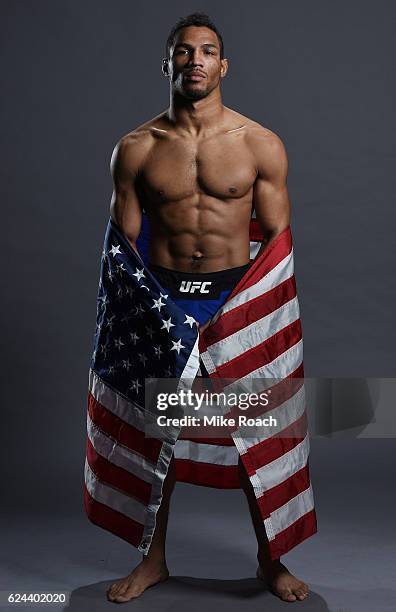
x=198 y=169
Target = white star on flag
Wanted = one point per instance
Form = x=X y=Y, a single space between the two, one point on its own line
x=158 y=351
x=158 y=304
x=126 y=364
x=167 y=324
x=115 y=250
x=119 y=343
x=189 y=320
x=104 y=299
x=150 y=331
x=177 y=346
x=134 y=337
x=138 y=310
x=135 y=385
x=139 y=273
x=142 y=358
x=110 y=322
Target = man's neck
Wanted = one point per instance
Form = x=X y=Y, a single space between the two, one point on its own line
x=196 y=116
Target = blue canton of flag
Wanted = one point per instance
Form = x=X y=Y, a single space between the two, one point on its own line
x=140 y=332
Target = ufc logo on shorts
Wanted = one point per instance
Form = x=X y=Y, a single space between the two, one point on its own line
x=193 y=286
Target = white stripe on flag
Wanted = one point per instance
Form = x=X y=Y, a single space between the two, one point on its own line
x=125 y=409
x=283 y=467
x=289 y=513
x=107 y=495
x=118 y=454
x=206 y=453
x=279 y=368
x=254 y=248
x=281 y=272
x=285 y=414
x=243 y=340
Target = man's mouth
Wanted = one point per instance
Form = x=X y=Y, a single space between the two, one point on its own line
x=194 y=76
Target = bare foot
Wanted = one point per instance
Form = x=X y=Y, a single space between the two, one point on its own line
x=145 y=575
x=282 y=583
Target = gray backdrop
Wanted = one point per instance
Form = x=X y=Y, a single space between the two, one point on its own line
x=76 y=76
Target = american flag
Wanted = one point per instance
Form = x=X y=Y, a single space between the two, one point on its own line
x=141 y=333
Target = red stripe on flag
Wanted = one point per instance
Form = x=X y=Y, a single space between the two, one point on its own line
x=271 y=449
x=263 y=353
x=255 y=233
x=269 y=259
x=126 y=434
x=296 y=533
x=111 y=520
x=251 y=311
x=282 y=493
x=215 y=441
x=280 y=393
x=207 y=474
x=118 y=477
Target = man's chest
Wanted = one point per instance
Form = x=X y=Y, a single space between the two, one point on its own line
x=222 y=168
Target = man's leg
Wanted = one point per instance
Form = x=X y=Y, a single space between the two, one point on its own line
x=273 y=572
x=152 y=568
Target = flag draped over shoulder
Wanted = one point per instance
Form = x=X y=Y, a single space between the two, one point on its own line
x=141 y=333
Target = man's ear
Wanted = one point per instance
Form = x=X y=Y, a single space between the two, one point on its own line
x=165 y=66
x=224 y=67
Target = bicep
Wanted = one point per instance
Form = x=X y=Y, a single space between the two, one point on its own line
x=272 y=205
x=125 y=207
x=270 y=193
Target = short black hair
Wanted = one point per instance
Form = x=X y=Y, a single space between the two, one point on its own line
x=195 y=19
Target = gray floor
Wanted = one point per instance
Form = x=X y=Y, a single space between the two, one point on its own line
x=349 y=564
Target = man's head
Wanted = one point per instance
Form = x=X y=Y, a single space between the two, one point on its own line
x=194 y=61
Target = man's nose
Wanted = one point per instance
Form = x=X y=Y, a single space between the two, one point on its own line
x=196 y=58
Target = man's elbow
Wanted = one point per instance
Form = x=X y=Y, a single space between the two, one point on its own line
x=129 y=227
x=270 y=233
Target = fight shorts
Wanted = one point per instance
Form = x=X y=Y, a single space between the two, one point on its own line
x=199 y=294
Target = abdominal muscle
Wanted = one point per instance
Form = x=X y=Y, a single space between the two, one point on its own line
x=200 y=240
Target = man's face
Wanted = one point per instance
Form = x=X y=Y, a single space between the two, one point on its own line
x=195 y=67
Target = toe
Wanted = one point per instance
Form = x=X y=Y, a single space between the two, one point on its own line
x=119 y=591
x=287 y=596
x=127 y=595
x=111 y=592
x=302 y=591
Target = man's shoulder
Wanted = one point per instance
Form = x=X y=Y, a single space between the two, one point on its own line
x=144 y=133
x=253 y=128
x=261 y=136
x=266 y=145
x=133 y=147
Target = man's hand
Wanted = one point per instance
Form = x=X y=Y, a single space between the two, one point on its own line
x=201 y=328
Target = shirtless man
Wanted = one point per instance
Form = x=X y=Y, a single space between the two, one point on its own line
x=197 y=169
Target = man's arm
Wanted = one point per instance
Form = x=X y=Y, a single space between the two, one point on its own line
x=125 y=208
x=270 y=195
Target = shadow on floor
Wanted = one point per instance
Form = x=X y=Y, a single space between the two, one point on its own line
x=198 y=594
